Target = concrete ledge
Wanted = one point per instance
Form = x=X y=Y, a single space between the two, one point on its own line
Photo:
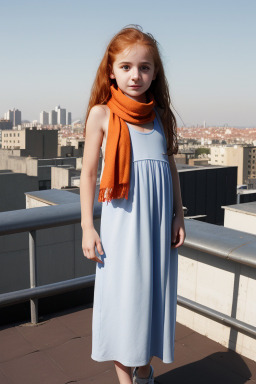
x=226 y=283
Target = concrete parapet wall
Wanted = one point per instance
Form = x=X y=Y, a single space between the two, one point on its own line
x=220 y=284
x=59 y=257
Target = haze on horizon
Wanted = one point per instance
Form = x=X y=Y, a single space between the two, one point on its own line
x=51 y=51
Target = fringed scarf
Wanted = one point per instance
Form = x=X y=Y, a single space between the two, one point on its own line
x=115 y=181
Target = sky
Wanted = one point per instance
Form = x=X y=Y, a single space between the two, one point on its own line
x=51 y=49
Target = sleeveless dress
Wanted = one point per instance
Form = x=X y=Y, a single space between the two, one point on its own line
x=135 y=292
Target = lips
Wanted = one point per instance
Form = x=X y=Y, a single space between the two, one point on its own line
x=135 y=86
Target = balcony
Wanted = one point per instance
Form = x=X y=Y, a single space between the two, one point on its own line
x=216 y=297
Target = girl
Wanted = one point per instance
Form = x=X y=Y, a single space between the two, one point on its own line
x=142 y=224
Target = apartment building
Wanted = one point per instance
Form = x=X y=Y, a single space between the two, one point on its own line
x=243 y=157
x=33 y=142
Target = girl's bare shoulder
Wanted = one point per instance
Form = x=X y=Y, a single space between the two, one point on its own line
x=99 y=116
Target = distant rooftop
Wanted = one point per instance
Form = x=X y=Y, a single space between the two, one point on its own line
x=55 y=196
x=59 y=196
x=247 y=208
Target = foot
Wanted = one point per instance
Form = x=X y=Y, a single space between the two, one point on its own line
x=147 y=379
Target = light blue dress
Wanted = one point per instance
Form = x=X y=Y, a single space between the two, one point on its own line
x=135 y=292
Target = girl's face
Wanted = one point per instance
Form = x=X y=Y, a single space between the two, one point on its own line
x=134 y=71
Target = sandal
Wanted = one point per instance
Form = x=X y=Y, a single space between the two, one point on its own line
x=139 y=380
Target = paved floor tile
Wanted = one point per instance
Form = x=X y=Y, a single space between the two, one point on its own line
x=74 y=358
x=64 y=356
x=4 y=379
x=35 y=368
x=107 y=377
x=13 y=344
x=181 y=331
x=46 y=334
x=79 y=322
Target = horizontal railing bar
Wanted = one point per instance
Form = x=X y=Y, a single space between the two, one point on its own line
x=52 y=289
x=16 y=297
x=222 y=242
x=249 y=260
x=24 y=220
x=217 y=316
x=219 y=241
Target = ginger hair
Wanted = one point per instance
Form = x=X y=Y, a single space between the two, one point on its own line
x=100 y=92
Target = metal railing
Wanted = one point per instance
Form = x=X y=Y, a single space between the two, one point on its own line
x=199 y=237
x=31 y=220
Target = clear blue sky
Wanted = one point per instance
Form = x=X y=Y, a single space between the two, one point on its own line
x=50 y=51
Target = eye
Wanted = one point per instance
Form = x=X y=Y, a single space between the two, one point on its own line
x=145 y=68
x=125 y=67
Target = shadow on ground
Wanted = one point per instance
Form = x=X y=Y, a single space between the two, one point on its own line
x=220 y=367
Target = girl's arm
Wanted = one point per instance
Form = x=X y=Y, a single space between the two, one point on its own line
x=93 y=140
x=178 y=227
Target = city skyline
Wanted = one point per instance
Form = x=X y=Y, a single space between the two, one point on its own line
x=51 y=51
x=52 y=117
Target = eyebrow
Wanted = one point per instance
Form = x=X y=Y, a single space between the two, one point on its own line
x=128 y=62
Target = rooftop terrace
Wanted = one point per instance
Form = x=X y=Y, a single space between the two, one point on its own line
x=216 y=297
x=57 y=351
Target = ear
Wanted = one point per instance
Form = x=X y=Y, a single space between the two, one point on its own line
x=112 y=76
x=155 y=74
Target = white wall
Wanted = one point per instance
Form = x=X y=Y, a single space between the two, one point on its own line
x=240 y=221
x=224 y=286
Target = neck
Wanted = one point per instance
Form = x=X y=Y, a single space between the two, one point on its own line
x=141 y=99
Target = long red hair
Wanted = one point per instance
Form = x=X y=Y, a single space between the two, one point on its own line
x=100 y=92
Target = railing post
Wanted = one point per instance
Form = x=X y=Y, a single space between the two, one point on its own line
x=33 y=275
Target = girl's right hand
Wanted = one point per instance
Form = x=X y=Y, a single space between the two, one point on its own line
x=90 y=240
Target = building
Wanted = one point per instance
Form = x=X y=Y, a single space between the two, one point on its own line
x=44 y=118
x=30 y=174
x=14 y=116
x=61 y=115
x=32 y=142
x=205 y=190
x=13 y=139
x=70 y=147
x=200 y=161
x=4 y=124
x=69 y=118
x=14 y=185
x=243 y=157
x=53 y=117
x=241 y=217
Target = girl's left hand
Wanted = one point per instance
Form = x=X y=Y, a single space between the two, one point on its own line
x=178 y=231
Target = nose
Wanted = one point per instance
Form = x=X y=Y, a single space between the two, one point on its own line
x=135 y=74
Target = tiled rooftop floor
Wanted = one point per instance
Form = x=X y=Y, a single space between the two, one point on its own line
x=57 y=351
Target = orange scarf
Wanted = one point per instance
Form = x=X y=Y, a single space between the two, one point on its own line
x=115 y=181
